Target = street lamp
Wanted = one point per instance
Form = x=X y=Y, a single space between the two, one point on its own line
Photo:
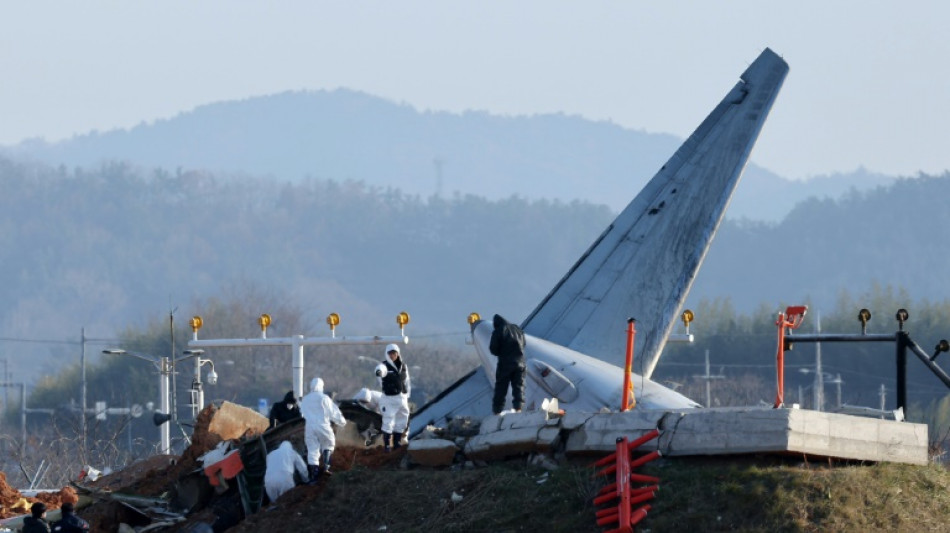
x=164 y=408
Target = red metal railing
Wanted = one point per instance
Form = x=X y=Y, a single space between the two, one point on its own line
x=622 y=513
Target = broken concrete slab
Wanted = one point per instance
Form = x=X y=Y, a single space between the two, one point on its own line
x=233 y=421
x=509 y=442
x=527 y=419
x=729 y=431
x=432 y=452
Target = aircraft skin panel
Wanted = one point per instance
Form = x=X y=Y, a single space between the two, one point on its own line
x=645 y=262
x=583 y=384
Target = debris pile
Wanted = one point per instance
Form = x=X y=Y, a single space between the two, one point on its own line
x=174 y=493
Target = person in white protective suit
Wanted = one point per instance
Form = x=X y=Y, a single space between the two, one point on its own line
x=281 y=464
x=393 y=374
x=320 y=413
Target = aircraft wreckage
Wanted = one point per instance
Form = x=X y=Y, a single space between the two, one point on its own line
x=642 y=265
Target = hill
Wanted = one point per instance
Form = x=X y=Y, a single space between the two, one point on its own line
x=747 y=494
x=346 y=135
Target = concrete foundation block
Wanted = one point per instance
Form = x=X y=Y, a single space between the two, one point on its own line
x=502 y=444
x=432 y=452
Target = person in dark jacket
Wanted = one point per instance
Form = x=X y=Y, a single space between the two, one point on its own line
x=36 y=522
x=69 y=523
x=284 y=410
x=507 y=343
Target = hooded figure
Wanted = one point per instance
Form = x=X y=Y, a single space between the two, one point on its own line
x=284 y=410
x=507 y=343
x=393 y=376
x=319 y=412
x=69 y=523
x=36 y=522
x=281 y=464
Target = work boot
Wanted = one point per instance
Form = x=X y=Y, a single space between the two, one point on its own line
x=325 y=458
x=314 y=472
x=387 y=442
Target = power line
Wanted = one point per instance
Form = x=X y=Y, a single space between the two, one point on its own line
x=89 y=340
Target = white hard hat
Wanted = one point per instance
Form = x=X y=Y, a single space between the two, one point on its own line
x=391 y=347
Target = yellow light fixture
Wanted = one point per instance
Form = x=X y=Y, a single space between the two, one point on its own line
x=473 y=318
x=687 y=317
x=195 y=323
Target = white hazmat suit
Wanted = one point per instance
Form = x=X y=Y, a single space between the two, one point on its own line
x=281 y=463
x=394 y=401
x=320 y=413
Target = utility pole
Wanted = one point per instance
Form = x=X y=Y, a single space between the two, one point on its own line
x=819 y=377
x=82 y=392
x=707 y=376
x=838 y=382
x=883 y=395
x=174 y=375
x=6 y=401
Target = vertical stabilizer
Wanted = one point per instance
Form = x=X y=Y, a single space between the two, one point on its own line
x=644 y=263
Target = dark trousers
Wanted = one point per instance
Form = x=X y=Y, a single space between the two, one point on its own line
x=503 y=377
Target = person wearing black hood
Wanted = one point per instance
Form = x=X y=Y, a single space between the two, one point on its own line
x=36 y=522
x=69 y=523
x=284 y=410
x=507 y=343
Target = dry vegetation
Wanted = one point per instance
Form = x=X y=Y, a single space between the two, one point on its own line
x=749 y=494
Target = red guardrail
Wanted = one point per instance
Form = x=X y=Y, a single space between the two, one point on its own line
x=622 y=514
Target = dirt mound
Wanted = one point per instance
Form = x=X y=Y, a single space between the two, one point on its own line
x=155 y=475
x=158 y=475
x=13 y=503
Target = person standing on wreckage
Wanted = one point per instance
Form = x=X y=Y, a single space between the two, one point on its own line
x=507 y=344
x=320 y=414
x=393 y=374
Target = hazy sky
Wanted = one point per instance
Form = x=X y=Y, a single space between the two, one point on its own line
x=868 y=83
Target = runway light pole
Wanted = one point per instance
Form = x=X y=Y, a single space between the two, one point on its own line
x=162 y=414
x=197 y=389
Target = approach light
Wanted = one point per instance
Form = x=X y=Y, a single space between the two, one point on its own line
x=333 y=320
x=264 y=321
x=687 y=317
x=942 y=346
x=864 y=316
x=402 y=319
x=195 y=323
x=473 y=318
x=902 y=315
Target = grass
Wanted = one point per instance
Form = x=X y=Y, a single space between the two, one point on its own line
x=769 y=495
x=745 y=494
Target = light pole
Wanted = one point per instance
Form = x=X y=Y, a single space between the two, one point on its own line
x=197 y=392
x=164 y=371
x=297 y=342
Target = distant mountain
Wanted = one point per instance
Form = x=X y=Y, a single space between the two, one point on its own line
x=346 y=135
